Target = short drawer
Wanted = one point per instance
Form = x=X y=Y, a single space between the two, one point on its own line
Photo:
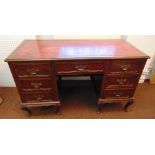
x=79 y=67
x=30 y=69
x=36 y=85
x=118 y=93
x=113 y=82
x=124 y=66
x=37 y=97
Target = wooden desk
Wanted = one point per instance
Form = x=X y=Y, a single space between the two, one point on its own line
x=35 y=65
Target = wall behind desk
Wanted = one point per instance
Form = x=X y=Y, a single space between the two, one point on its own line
x=7 y=44
x=145 y=43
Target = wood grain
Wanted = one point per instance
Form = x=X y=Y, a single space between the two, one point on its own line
x=74 y=49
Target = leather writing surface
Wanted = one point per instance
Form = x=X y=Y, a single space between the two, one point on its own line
x=72 y=49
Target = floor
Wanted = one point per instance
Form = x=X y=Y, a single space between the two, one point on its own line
x=79 y=102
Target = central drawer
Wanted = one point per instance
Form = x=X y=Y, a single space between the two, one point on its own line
x=79 y=67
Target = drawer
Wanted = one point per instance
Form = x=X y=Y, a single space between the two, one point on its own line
x=37 y=97
x=29 y=69
x=124 y=66
x=79 y=67
x=126 y=93
x=113 y=82
x=36 y=85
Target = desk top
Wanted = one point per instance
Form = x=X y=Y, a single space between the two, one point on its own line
x=30 y=50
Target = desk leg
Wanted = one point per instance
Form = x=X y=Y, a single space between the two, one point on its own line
x=27 y=110
x=98 y=109
x=128 y=104
x=58 y=112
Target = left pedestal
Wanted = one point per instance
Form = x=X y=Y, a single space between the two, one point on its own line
x=36 y=83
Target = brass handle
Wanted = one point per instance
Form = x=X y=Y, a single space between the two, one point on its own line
x=36 y=85
x=121 y=81
x=80 y=67
x=39 y=97
x=125 y=67
x=33 y=71
x=116 y=94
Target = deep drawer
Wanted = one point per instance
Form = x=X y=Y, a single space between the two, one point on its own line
x=126 y=93
x=30 y=69
x=79 y=67
x=37 y=97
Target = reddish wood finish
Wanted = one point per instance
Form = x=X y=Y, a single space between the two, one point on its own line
x=74 y=49
x=125 y=66
x=35 y=65
x=118 y=82
x=32 y=69
x=33 y=85
x=38 y=97
x=116 y=93
x=36 y=83
x=79 y=67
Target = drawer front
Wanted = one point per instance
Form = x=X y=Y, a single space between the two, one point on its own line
x=124 y=66
x=126 y=93
x=23 y=70
x=37 y=97
x=118 y=82
x=36 y=85
x=79 y=67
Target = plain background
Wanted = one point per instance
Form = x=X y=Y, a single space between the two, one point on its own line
x=77 y=17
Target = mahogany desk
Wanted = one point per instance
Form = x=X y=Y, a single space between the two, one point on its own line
x=36 y=64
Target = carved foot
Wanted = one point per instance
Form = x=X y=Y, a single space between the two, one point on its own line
x=58 y=111
x=98 y=109
x=127 y=105
x=27 y=110
x=126 y=108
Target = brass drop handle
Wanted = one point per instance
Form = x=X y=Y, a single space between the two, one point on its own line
x=80 y=67
x=125 y=67
x=33 y=71
x=121 y=81
x=36 y=85
x=39 y=97
x=116 y=94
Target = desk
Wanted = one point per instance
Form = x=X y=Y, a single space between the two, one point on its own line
x=36 y=64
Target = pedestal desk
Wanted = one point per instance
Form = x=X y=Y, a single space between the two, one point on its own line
x=37 y=64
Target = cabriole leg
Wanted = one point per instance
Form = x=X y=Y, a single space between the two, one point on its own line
x=27 y=110
x=58 y=110
x=98 y=109
x=127 y=105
